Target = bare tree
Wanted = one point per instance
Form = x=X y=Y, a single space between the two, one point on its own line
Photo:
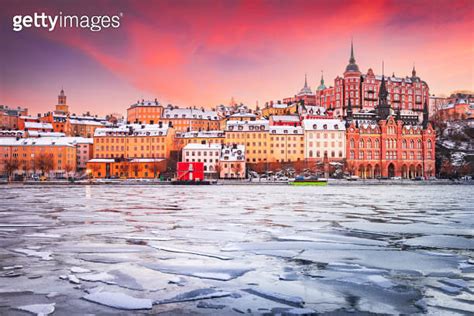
x=44 y=163
x=11 y=165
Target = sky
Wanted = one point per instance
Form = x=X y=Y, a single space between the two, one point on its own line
x=203 y=53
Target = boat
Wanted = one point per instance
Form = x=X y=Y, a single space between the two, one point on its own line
x=310 y=181
x=190 y=182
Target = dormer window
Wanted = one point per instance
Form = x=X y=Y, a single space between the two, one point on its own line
x=325 y=126
x=315 y=126
x=336 y=126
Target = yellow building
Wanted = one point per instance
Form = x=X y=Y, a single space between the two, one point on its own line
x=253 y=135
x=134 y=141
x=62 y=107
x=286 y=144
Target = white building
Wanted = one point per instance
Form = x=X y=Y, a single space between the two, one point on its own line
x=209 y=154
x=232 y=163
x=324 y=137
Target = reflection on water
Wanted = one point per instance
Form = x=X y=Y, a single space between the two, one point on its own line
x=232 y=249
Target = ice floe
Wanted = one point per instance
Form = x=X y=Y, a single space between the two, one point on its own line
x=277 y=297
x=44 y=255
x=39 y=309
x=119 y=300
x=195 y=295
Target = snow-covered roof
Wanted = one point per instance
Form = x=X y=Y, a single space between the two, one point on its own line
x=239 y=114
x=40 y=125
x=11 y=133
x=190 y=114
x=201 y=134
x=196 y=146
x=45 y=134
x=290 y=130
x=88 y=122
x=133 y=130
x=246 y=126
x=146 y=103
x=146 y=160
x=233 y=153
x=285 y=118
x=280 y=105
x=324 y=124
x=102 y=160
x=41 y=141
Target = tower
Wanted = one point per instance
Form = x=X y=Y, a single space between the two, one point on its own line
x=383 y=108
x=349 y=113
x=322 y=86
x=62 y=107
x=426 y=115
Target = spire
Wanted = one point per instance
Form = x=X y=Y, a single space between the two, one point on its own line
x=349 y=113
x=352 y=66
x=383 y=108
x=322 y=86
x=426 y=115
x=413 y=72
x=305 y=81
x=352 y=59
x=306 y=89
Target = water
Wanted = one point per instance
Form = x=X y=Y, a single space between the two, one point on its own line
x=236 y=249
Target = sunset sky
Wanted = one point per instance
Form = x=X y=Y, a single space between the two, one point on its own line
x=205 y=52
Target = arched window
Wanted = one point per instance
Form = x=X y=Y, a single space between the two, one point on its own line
x=352 y=154
x=429 y=144
x=352 y=143
x=404 y=144
x=419 y=144
x=412 y=144
x=369 y=143
x=377 y=143
x=361 y=143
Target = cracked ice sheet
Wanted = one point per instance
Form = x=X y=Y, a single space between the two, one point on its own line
x=440 y=241
x=387 y=259
x=44 y=255
x=130 y=276
x=415 y=228
x=119 y=300
x=203 y=270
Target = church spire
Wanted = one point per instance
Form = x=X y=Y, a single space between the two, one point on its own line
x=413 y=72
x=352 y=66
x=426 y=115
x=322 y=86
x=383 y=107
x=305 y=81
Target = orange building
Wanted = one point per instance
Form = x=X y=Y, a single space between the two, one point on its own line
x=9 y=117
x=51 y=156
x=145 y=112
x=286 y=144
x=118 y=149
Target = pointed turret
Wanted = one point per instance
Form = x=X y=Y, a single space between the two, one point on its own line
x=413 y=72
x=306 y=89
x=352 y=66
x=383 y=108
x=321 y=85
x=426 y=115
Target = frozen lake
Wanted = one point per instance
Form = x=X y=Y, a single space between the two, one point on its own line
x=118 y=250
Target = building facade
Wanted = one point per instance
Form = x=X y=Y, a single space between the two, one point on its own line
x=208 y=154
x=324 y=137
x=232 y=162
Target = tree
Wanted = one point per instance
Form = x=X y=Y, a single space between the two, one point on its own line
x=44 y=163
x=68 y=168
x=11 y=165
x=237 y=169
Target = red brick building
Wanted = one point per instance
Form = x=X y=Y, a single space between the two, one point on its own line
x=405 y=93
x=390 y=145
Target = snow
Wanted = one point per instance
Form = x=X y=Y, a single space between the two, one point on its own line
x=44 y=255
x=73 y=279
x=168 y=249
x=39 y=309
x=119 y=300
x=79 y=270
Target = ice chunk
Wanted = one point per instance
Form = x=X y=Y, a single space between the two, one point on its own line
x=293 y=311
x=38 y=309
x=197 y=253
x=119 y=300
x=44 y=255
x=79 y=270
x=277 y=297
x=43 y=235
x=98 y=277
x=52 y=294
x=201 y=271
x=73 y=279
x=195 y=295
x=13 y=267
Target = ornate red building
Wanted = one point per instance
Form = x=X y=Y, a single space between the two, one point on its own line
x=389 y=145
x=405 y=93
